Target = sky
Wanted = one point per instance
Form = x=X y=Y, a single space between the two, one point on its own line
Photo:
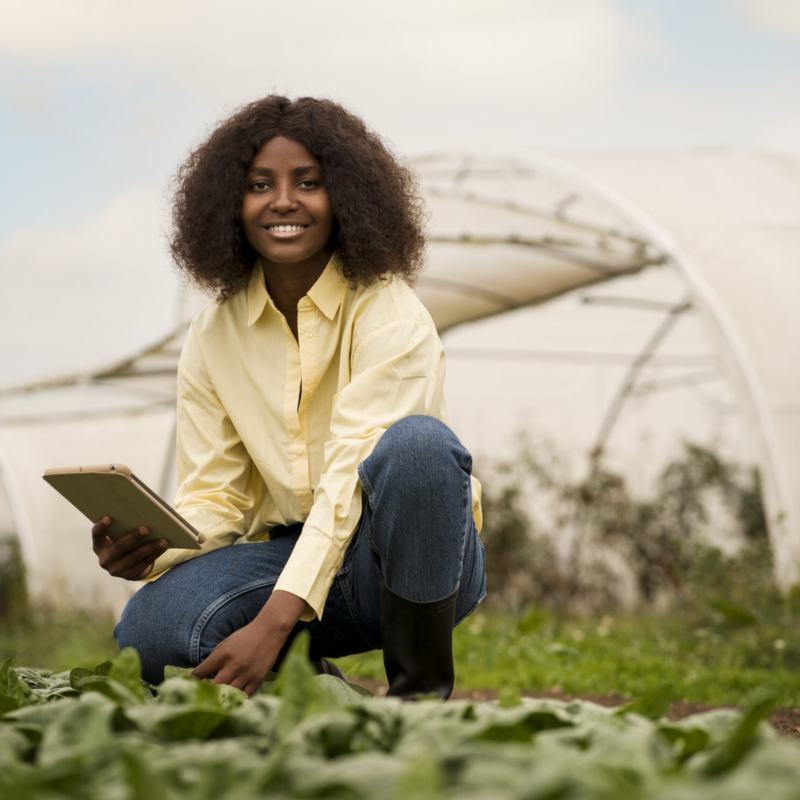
x=100 y=100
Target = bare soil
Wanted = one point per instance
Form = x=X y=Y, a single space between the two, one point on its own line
x=785 y=721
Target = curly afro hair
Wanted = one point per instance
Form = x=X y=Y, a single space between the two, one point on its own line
x=378 y=212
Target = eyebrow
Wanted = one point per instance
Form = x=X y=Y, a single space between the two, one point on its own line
x=297 y=171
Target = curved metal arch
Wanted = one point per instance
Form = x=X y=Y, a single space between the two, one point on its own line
x=557 y=214
x=631 y=376
x=550 y=246
x=468 y=290
x=727 y=339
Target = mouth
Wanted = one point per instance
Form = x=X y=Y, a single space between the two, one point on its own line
x=284 y=230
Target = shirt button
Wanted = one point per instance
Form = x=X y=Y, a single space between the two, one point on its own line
x=304 y=302
x=309 y=334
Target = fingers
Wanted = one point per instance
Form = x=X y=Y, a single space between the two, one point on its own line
x=240 y=683
x=230 y=676
x=132 y=564
x=100 y=526
x=141 y=575
x=137 y=573
x=124 y=545
x=101 y=540
x=209 y=666
x=226 y=674
x=99 y=533
x=232 y=672
x=227 y=671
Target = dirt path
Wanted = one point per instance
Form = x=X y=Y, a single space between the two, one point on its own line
x=785 y=720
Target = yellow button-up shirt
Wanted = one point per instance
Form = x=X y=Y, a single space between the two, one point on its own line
x=271 y=429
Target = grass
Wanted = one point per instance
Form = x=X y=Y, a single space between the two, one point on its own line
x=57 y=641
x=713 y=663
x=707 y=659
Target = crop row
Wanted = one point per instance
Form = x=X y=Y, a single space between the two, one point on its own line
x=104 y=733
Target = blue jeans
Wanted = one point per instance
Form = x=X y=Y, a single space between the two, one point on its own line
x=416 y=532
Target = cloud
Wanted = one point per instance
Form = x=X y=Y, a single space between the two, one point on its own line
x=77 y=296
x=123 y=239
x=781 y=134
x=551 y=51
x=775 y=16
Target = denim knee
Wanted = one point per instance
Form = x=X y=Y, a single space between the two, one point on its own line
x=424 y=446
x=417 y=484
x=158 y=641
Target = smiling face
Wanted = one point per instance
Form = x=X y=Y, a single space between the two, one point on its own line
x=286 y=210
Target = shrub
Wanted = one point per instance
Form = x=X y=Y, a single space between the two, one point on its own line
x=13 y=588
x=594 y=536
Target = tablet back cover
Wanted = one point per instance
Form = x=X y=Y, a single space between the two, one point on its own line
x=113 y=490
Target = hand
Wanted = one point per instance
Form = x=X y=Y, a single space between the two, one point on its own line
x=126 y=558
x=245 y=658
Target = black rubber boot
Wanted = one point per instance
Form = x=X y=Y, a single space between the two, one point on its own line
x=417 y=645
x=325 y=667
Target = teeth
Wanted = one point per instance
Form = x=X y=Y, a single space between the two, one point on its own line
x=285 y=228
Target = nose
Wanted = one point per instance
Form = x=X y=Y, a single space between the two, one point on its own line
x=283 y=199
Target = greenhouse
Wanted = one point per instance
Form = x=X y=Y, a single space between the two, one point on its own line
x=619 y=253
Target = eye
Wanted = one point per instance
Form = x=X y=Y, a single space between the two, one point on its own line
x=309 y=183
x=259 y=185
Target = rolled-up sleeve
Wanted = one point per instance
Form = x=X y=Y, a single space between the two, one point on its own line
x=397 y=370
x=214 y=467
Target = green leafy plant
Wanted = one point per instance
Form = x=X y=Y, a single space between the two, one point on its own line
x=661 y=538
x=13 y=587
x=103 y=733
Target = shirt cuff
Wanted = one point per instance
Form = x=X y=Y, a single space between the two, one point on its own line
x=477 y=510
x=154 y=576
x=309 y=573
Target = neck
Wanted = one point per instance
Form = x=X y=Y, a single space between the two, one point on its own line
x=287 y=283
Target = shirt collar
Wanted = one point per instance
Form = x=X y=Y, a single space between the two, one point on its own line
x=327 y=292
x=257 y=295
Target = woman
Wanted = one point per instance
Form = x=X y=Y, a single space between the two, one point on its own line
x=311 y=419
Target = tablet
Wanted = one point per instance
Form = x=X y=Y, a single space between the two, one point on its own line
x=113 y=490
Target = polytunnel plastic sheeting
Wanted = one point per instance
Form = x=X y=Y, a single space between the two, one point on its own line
x=501 y=239
x=731 y=221
x=55 y=538
x=504 y=234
